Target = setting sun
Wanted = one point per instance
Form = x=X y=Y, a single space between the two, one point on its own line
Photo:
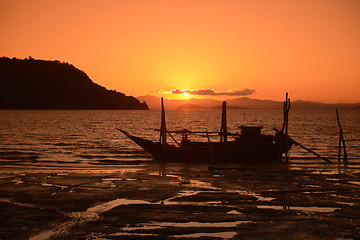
x=186 y=94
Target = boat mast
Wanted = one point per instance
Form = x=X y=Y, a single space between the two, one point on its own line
x=223 y=129
x=286 y=109
x=162 y=130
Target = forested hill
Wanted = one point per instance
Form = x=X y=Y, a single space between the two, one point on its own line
x=40 y=84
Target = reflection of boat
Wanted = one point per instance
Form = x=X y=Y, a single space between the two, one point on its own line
x=248 y=146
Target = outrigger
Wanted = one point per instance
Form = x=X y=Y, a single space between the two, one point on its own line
x=247 y=146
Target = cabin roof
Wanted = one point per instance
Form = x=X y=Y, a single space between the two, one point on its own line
x=250 y=127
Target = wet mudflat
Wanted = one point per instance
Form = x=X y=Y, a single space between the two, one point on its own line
x=179 y=201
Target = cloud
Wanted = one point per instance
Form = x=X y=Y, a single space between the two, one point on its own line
x=210 y=92
x=176 y=91
x=243 y=92
x=203 y=92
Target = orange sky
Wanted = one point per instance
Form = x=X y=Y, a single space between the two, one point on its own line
x=309 y=48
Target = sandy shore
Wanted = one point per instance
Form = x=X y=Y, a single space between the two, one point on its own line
x=177 y=201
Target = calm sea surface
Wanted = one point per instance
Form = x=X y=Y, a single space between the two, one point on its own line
x=89 y=138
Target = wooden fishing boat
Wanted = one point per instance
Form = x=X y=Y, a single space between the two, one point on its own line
x=247 y=146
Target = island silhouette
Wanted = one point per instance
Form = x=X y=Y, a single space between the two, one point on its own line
x=39 y=84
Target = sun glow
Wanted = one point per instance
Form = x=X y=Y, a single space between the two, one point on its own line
x=186 y=94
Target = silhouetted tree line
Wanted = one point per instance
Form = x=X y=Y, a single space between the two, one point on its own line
x=39 y=84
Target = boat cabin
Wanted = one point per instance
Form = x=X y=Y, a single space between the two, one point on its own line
x=252 y=135
x=251 y=130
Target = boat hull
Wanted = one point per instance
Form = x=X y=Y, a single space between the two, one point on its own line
x=232 y=151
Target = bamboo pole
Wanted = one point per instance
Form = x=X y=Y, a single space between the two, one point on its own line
x=339 y=148
x=195 y=132
x=341 y=140
x=309 y=150
x=345 y=153
x=284 y=130
x=302 y=146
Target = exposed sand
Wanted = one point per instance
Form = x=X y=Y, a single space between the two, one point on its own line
x=179 y=201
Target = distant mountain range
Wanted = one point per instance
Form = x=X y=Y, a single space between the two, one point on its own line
x=40 y=84
x=193 y=106
x=240 y=103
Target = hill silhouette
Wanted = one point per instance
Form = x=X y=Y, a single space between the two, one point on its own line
x=243 y=103
x=40 y=84
x=190 y=106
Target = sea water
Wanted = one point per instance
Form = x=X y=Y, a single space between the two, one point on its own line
x=79 y=138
